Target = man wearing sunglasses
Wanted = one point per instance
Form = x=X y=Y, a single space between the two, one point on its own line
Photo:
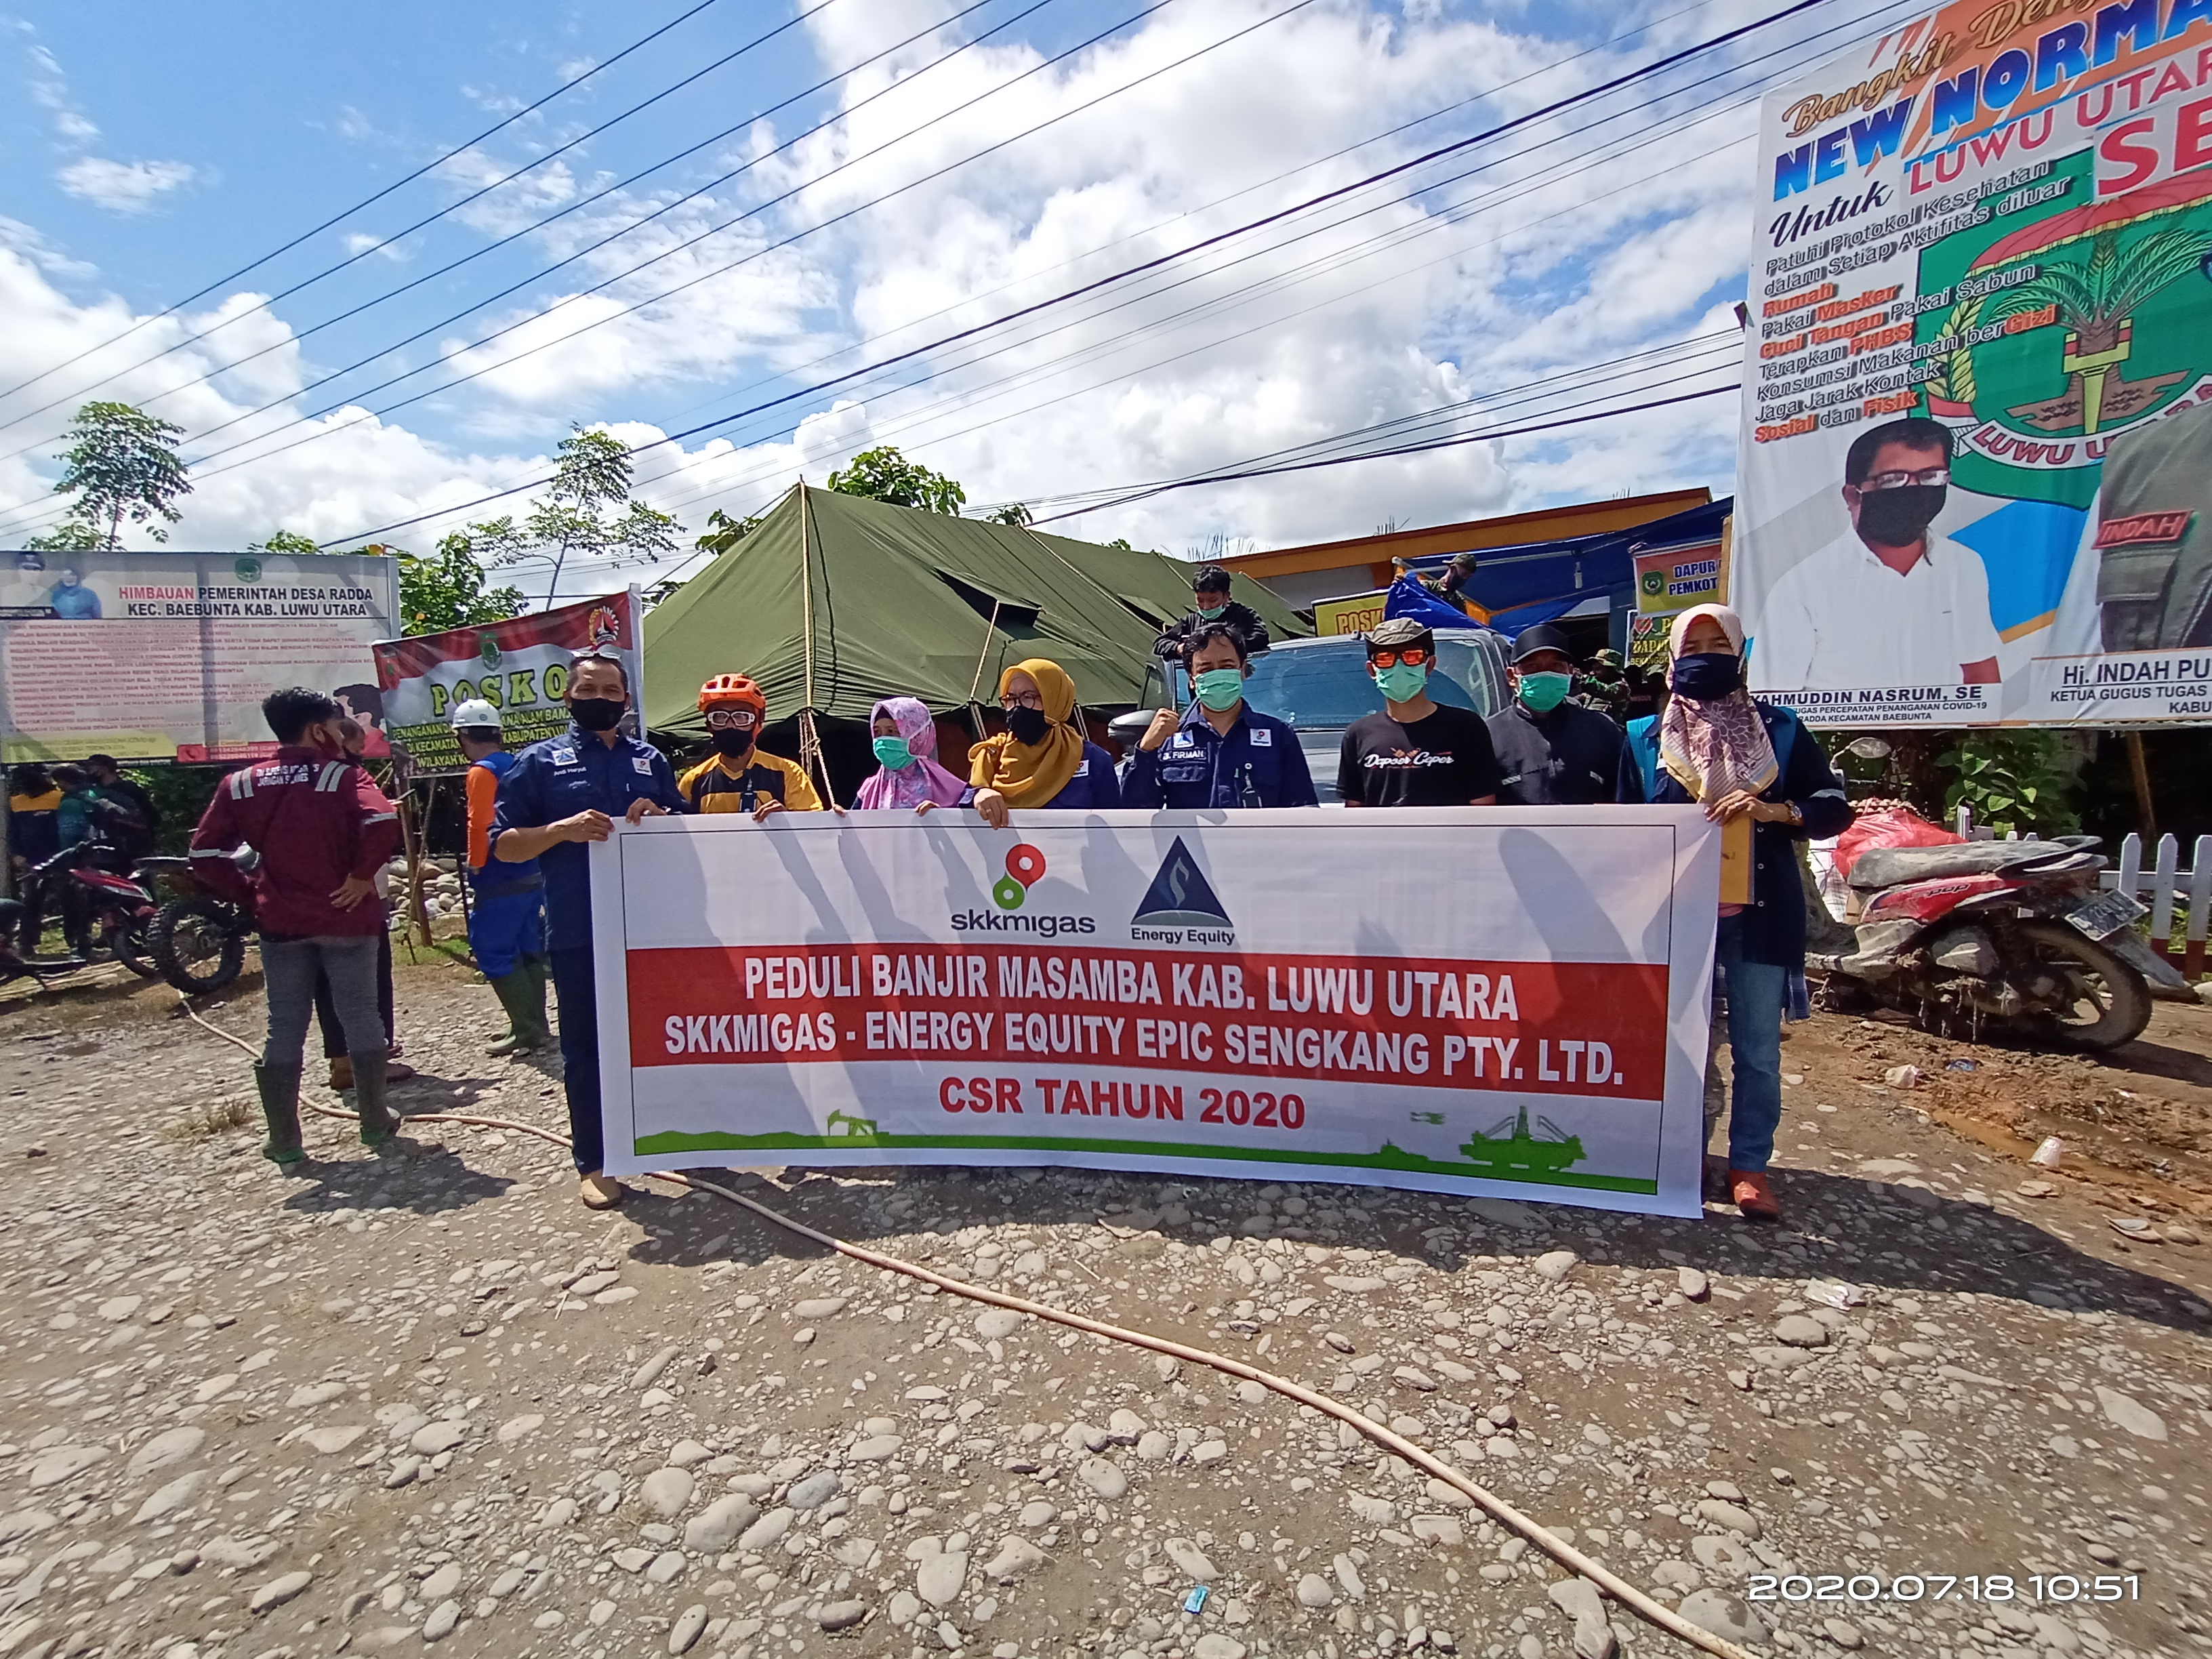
x=1417 y=752
x=737 y=777
x=1888 y=603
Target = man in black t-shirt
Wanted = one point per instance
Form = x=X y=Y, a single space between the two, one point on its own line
x=1417 y=752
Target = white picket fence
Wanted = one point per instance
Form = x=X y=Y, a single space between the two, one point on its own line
x=2162 y=887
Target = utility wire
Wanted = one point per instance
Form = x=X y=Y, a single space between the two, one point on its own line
x=429 y=166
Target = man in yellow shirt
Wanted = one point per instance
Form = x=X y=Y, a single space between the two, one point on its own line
x=737 y=777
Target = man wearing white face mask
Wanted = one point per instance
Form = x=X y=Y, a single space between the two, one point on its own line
x=1551 y=752
x=1220 y=752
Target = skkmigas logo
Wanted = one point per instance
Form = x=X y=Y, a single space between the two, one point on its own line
x=1179 y=907
x=1025 y=868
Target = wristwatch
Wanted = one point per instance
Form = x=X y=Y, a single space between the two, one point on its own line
x=1797 y=814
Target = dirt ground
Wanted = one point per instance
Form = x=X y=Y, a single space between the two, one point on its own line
x=1946 y=1409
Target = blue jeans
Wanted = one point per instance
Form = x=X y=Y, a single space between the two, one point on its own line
x=577 y=992
x=1754 y=991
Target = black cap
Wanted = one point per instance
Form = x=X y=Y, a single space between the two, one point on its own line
x=1542 y=637
x=1210 y=579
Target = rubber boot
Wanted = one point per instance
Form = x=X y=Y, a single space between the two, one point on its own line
x=279 y=1106
x=370 y=1079
x=523 y=995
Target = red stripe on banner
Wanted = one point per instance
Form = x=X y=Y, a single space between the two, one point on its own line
x=1554 y=1028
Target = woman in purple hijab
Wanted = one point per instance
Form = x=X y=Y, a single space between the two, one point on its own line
x=908 y=773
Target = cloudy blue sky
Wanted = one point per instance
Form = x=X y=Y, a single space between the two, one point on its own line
x=154 y=152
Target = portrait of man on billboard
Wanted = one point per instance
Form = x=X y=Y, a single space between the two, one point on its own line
x=1888 y=602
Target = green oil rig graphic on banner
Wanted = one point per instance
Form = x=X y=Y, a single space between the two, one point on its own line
x=1511 y=1152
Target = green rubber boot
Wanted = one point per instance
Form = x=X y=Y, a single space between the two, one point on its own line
x=371 y=1083
x=280 y=1108
x=522 y=993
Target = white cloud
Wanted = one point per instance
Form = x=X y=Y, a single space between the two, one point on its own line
x=123 y=187
x=383 y=247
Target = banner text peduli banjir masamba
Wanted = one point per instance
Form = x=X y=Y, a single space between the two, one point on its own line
x=1480 y=1000
x=1989 y=234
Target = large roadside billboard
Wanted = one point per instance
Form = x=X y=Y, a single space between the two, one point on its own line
x=166 y=656
x=1976 y=452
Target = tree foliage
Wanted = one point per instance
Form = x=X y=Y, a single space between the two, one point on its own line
x=119 y=464
x=447 y=590
x=724 y=532
x=291 y=542
x=586 y=512
x=2013 y=780
x=882 y=474
x=1013 y=513
x=70 y=536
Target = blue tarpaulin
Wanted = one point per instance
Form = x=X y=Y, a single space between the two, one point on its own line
x=1517 y=587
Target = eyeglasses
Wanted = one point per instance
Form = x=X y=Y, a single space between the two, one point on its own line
x=732 y=720
x=1926 y=477
x=1414 y=656
x=1014 y=700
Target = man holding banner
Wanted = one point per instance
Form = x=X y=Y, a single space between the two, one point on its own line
x=560 y=795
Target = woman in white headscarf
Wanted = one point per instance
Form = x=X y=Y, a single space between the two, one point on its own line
x=1740 y=757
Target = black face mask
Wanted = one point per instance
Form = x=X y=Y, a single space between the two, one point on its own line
x=1899 y=517
x=735 y=745
x=597 y=713
x=1028 y=725
x=1703 y=675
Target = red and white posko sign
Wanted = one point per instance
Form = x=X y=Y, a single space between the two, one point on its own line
x=1492 y=1000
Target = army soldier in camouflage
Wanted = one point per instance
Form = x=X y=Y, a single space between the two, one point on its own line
x=2154 y=550
x=1604 y=686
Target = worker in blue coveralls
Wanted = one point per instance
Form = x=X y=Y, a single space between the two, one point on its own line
x=1221 y=752
x=563 y=793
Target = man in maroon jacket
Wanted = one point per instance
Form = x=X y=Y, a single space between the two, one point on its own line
x=322 y=830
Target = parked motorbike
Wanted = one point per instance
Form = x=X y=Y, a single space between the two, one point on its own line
x=15 y=964
x=2009 y=936
x=197 y=938
x=104 y=913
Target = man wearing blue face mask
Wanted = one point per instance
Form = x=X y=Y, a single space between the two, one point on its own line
x=1417 y=752
x=1210 y=602
x=1221 y=753
x=1551 y=752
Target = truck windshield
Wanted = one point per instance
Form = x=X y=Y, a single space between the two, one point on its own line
x=1329 y=685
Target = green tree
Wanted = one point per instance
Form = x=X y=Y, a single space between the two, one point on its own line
x=724 y=532
x=587 y=511
x=1013 y=513
x=288 y=542
x=70 y=536
x=2013 y=780
x=447 y=590
x=884 y=475
x=119 y=465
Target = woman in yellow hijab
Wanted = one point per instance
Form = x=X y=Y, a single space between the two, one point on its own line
x=1041 y=759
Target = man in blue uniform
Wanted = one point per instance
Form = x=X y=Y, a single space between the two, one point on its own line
x=507 y=915
x=1221 y=753
x=561 y=795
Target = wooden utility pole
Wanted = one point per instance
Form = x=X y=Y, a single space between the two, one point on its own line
x=2141 y=769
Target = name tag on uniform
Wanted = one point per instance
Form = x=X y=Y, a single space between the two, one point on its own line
x=1082 y=768
x=564 y=757
x=1516 y=778
x=1258 y=736
x=641 y=764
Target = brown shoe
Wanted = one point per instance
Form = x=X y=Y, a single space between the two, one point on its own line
x=599 y=1191
x=1753 y=1195
x=342 y=1074
x=396 y=1071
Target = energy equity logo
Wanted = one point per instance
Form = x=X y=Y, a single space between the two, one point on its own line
x=1024 y=869
x=1179 y=907
x=1024 y=865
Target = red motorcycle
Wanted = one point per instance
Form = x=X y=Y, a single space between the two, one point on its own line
x=103 y=914
x=2012 y=936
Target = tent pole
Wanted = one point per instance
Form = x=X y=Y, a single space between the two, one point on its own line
x=810 y=739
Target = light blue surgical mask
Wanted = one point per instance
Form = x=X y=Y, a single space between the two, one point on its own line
x=893 y=754
x=1402 y=682
x=1542 y=693
x=1221 y=688
x=1215 y=614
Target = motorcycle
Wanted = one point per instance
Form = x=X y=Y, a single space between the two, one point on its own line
x=197 y=938
x=103 y=912
x=2010 y=936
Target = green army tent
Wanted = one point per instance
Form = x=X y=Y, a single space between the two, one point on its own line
x=835 y=601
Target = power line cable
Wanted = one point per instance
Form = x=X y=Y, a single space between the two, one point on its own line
x=429 y=166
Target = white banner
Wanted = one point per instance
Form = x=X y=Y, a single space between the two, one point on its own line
x=1482 y=1000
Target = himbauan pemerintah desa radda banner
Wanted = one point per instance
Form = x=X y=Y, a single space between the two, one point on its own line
x=1481 y=1000
x=1977 y=449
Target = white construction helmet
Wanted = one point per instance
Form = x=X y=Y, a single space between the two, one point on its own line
x=475 y=713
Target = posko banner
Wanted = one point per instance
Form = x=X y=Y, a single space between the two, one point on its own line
x=1976 y=452
x=1510 y=1002
x=519 y=666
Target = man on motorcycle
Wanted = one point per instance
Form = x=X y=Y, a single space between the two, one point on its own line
x=507 y=927
x=322 y=830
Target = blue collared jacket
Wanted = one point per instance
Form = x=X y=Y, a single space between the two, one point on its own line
x=1257 y=763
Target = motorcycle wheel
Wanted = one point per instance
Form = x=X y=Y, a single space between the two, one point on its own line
x=198 y=943
x=2111 y=1004
x=133 y=951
